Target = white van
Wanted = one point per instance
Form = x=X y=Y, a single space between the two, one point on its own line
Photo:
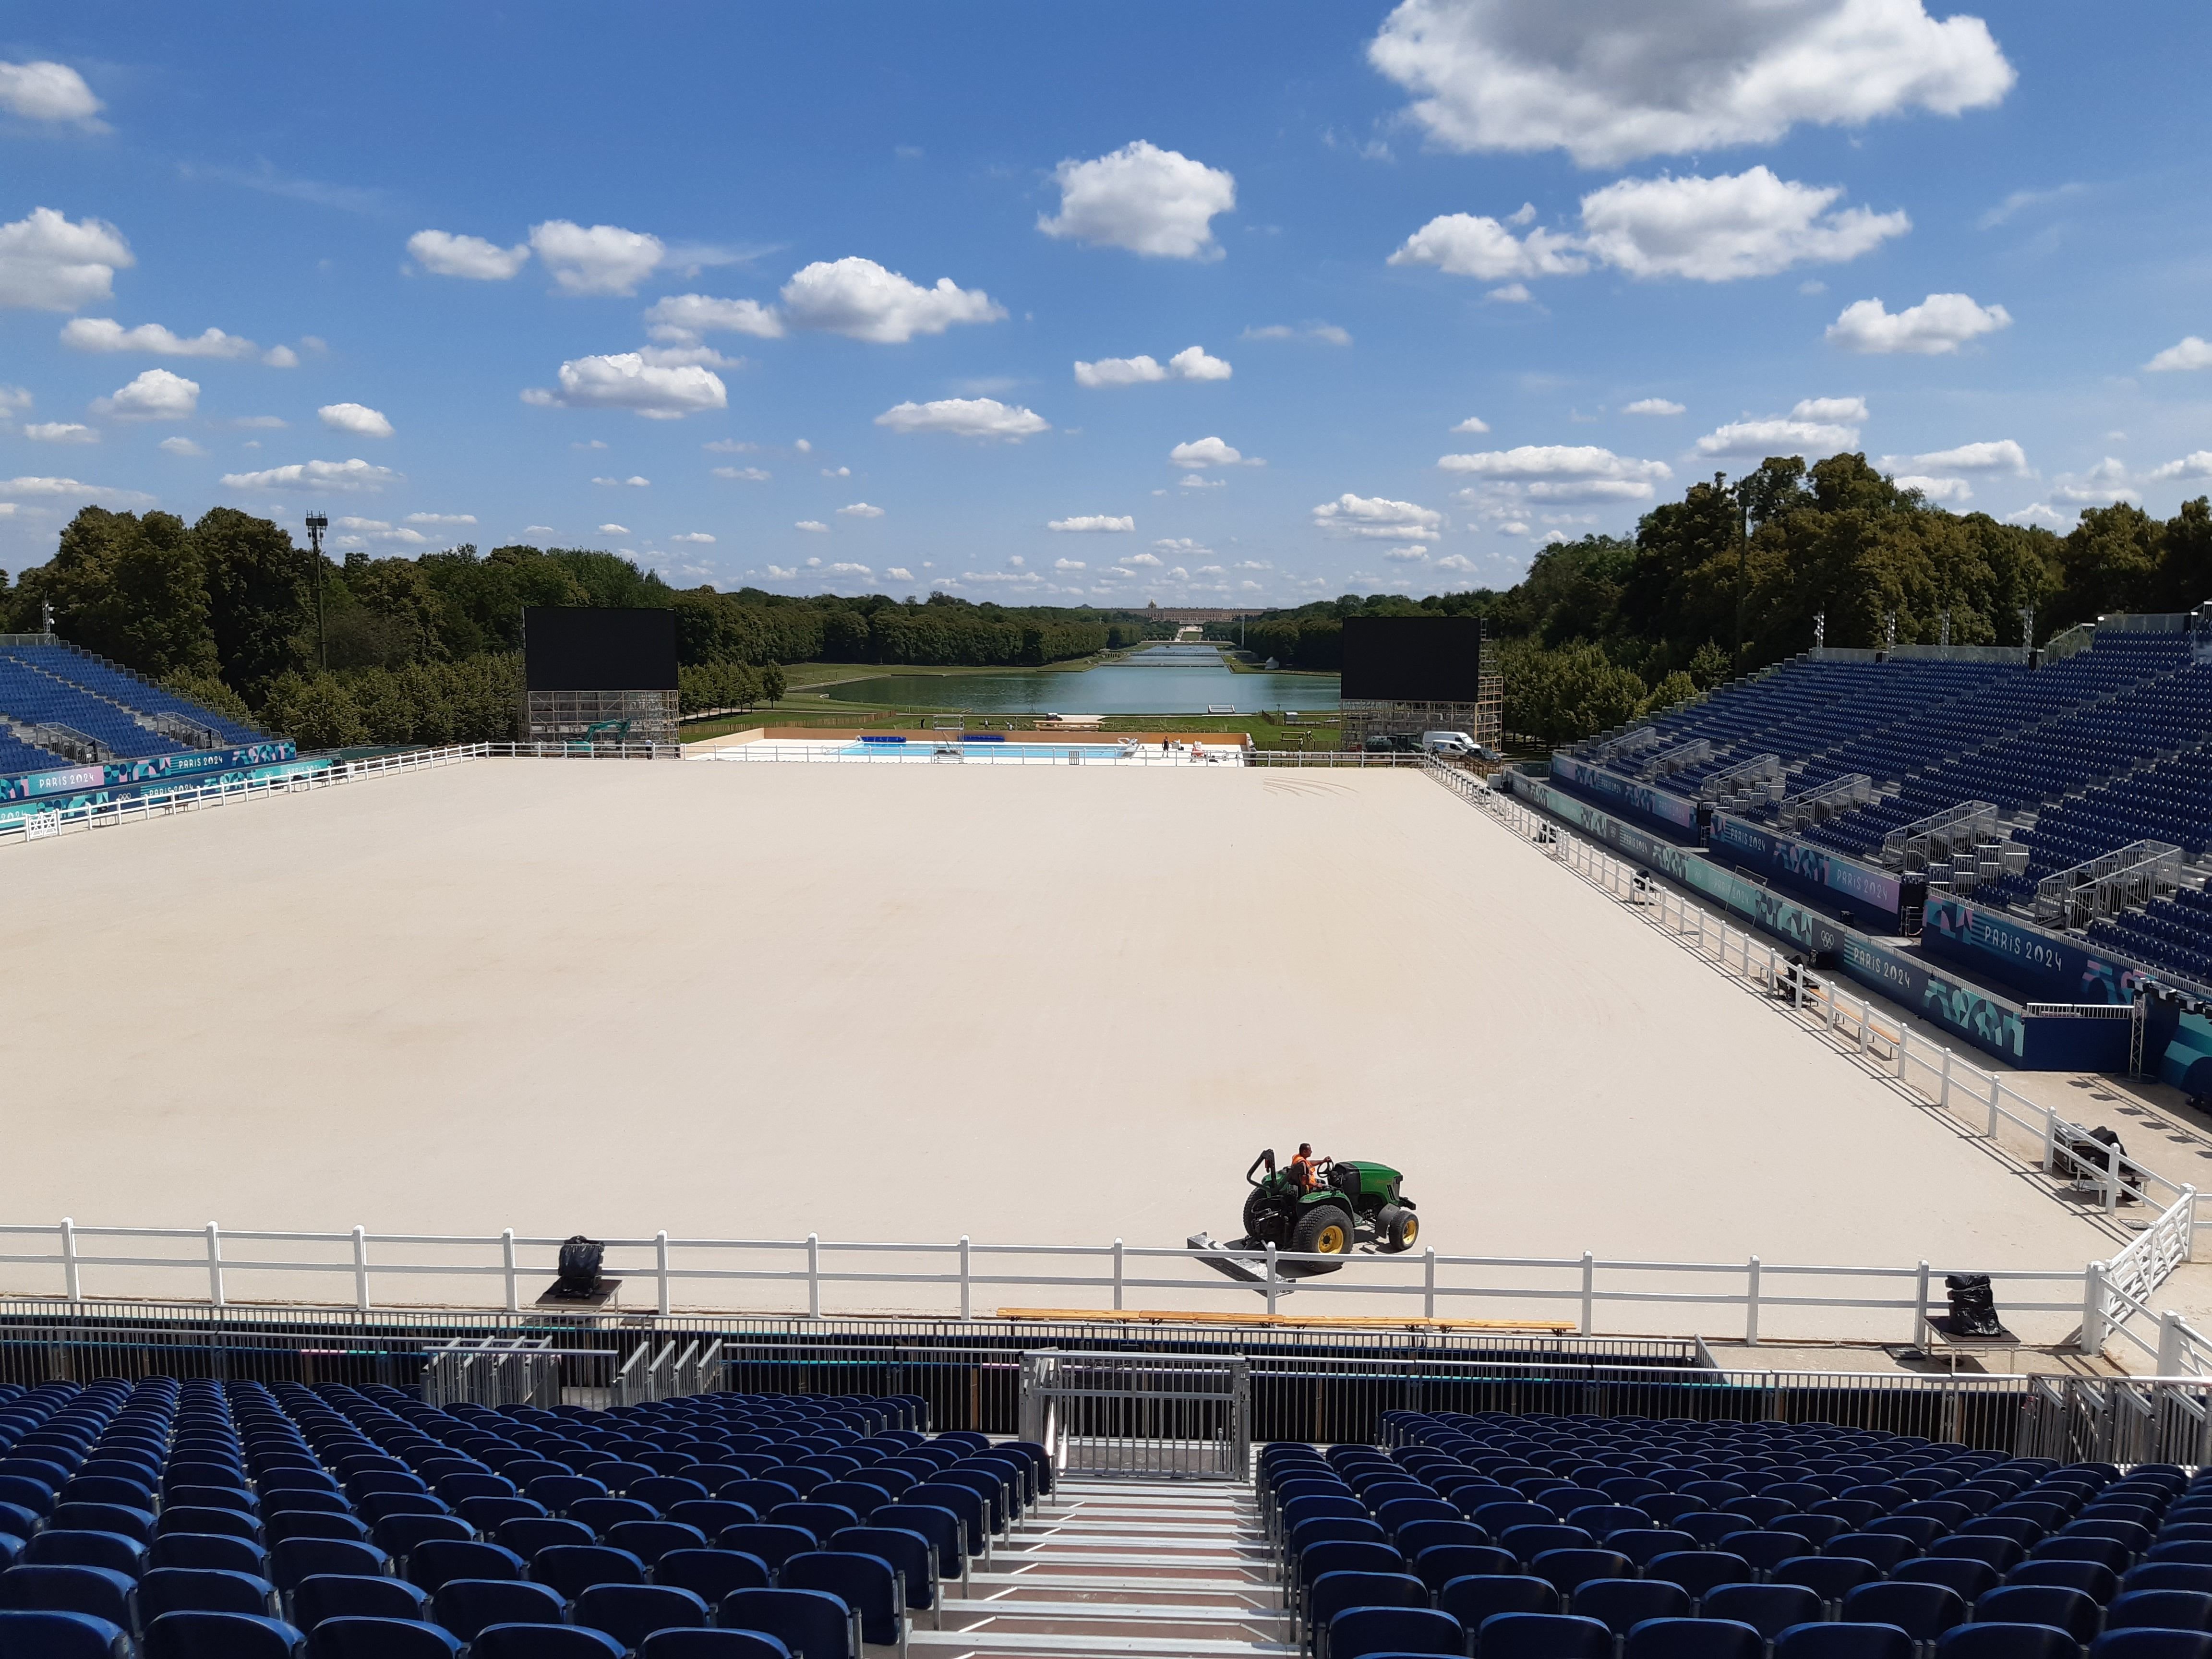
x=1457 y=744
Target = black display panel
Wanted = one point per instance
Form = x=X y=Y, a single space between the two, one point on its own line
x=1412 y=658
x=589 y=648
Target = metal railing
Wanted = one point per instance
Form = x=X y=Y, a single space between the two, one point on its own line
x=161 y=802
x=1139 y=1413
x=2109 y=884
x=1034 y=749
x=1937 y=836
x=1844 y=795
x=494 y=1370
x=1979 y=1100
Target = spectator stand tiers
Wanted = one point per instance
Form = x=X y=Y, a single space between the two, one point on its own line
x=2106 y=750
x=61 y=706
x=203 y=1518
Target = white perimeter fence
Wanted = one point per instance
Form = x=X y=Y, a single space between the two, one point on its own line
x=2116 y=1293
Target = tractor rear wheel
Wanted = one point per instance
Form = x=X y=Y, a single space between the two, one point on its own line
x=1323 y=1229
x=1397 y=1227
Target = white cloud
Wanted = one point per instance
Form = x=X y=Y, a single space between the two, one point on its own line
x=1562 y=472
x=1938 y=324
x=1194 y=480
x=782 y=574
x=2107 y=481
x=61 y=432
x=614 y=529
x=1068 y=564
x=625 y=380
x=1717 y=230
x=687 y=356
x=807 y=448
x=687 y=316
x=180 y=446
x=448 y=255
x=697 y=537
x=1513 y=294
x=2196 y=465
x=1475 y=245
x=358 y=418
x=859 y=510
x=71 y=489
x=1473 y=423
x=842 y=568
x=1191 y=363
x=966 y=418
x=860 y=299
x=538 y=530
x=42 y=91
x=351 y=522
x=632 y=483
x=155 y=395
x=2191 y=352
x=1211 y=452
x=1853 y=411
x=1415 y=555
x=1944 y=492
x=344 y=477
x=1328 y=333
x=441 y=517
x=1778 y=437
x=729 y=446
x=105 y=334
x=836 y=472
x=1610 y=83
x=1094 y=522
x=1150 y=201
x=1377 y=518
x=280 y=356
x=747 y=474
x=1653 y=406
x=1119 y=371
x=2041 y=513
x=14 y=399
x=47 y=263
x=899 y=573
x=597 y=259
x=814 y=526
x=1152 y=559
x=260 y=422
x=2003 y=455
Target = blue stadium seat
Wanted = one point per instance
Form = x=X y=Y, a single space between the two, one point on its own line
x=1769 y=1609
x=631 y=1612
x=712 y=1644
x=544 y=1642
x=1693 y=1638
x=1922 y=1611
x=1840 y=1640
x=807 y=1622
x=1541 y=1636
x=26 y=1634
x=221 y=1636
x=2143 y=1643
x=572 y=1569
x=335 y=1596
x=95 y=1590
x=2004 y=1641
x=203 y=1589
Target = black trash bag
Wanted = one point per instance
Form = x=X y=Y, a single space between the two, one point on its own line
x=1973 y=1309
x=581 y=1259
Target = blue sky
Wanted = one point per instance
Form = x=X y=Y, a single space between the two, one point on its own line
x=798 y=296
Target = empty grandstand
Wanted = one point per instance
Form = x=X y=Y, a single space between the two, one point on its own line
x=61 y=706
x=1885 y=758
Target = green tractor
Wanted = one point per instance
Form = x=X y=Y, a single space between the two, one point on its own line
x=1353 y=1200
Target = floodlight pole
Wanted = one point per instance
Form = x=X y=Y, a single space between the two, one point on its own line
x=317 y=523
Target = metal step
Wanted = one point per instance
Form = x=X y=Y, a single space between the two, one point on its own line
x=1111 y=1613
x=1152 y=1586
x=986 y=1641
x=1168 y=1555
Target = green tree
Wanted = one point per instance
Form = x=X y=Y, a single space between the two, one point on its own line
x=130 y=588
x=316 y=711
x=258 y=597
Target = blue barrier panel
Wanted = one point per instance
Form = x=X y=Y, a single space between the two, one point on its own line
x=1989 y=1021
x=1815 y=871
x=13 y=810
x=194 y=765
x=1660 y=805
x=2048 y=966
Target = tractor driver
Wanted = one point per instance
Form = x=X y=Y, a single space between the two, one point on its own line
x=1305 y=1167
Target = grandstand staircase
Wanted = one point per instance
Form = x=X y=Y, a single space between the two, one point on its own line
x=1104 y=1565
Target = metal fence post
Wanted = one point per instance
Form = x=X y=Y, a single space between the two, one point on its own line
x=2169 y=1344
x=1117 y=1275
x=2189 y=1224
x=964 y=1309
x=1429 y=1282
x=660 y=1270
x=1272 y=1280
x=69 y=1261
x=215 y=1265
x=1590 y=1289
x=1750 y=1304
x=1943 y=1099
x=360 y=1269
x=1920 y=1307
x=2050 y=1143
x=506 y=1263
x=814 y=1277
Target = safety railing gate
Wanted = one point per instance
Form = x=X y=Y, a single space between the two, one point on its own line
x=2118 y=1420
x=1140 y=1414
x=492 y=1371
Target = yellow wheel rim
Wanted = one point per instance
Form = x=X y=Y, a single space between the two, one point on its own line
x=1331 y=1242
x=1412 y=1230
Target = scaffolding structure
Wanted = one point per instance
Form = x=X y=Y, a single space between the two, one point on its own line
x=636 y=718
x=2118 y=880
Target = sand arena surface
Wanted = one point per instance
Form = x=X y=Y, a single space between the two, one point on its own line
x=903 y=1003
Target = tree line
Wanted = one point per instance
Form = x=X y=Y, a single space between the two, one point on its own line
x=426 y=649
x=1732 y=578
